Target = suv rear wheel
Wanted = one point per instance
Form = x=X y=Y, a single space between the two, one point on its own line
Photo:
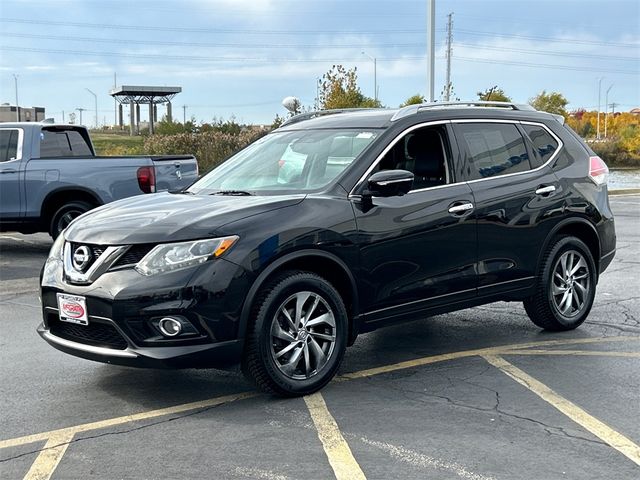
x=297 y=335
x=565 y=287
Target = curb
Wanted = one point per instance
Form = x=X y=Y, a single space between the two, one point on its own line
x=625 y=191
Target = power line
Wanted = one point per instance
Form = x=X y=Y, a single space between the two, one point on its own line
x=543 y=52
x=545 y=65
x=200 y=44
x=204 y=30
x=549 y=39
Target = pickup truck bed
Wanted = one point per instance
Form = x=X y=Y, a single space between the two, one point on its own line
x=49 y=174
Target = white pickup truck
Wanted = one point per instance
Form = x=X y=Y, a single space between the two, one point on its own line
x=50 y=174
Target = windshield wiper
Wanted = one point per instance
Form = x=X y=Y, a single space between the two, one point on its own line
x=239 y=193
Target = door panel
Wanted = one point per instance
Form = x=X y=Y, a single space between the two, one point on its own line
x=10 y=198
x=515 y=205
x=414 y=253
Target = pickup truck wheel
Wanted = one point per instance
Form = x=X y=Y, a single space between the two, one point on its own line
x=566 y=286
x=65 y=215
x=297 y=335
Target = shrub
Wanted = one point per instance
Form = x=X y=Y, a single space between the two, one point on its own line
x=615 y=153
x=211 y=148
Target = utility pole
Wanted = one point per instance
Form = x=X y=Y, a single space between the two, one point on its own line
x=80 y=110
x=184 y=114
x=115 y=102
x=606 y=109
x=62 y=116
x=15 y=79
x=599 y=94
x=95 y=97
x=447 y=85
x=613 y=107
x=375 y=75
x=431 y=47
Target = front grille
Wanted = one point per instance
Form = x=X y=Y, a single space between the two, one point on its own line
x=133 y=255
x=96 y=334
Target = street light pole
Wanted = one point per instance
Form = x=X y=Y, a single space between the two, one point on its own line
x=95 y=97
x=15 y=80
x=599 y=95
x=431 y=48
x=375 y=75
x=606 y=109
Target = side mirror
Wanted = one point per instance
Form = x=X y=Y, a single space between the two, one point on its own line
x=390 y=183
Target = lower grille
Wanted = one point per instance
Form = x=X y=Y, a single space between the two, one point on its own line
x=96 y=334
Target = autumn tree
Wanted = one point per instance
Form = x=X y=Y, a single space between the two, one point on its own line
x=552 y=102
x=339 y=89
x=414 y=100
x=493 y=94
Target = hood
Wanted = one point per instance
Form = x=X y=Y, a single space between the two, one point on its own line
x=166 y=217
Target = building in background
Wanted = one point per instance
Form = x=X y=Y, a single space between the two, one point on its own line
x=32 y=114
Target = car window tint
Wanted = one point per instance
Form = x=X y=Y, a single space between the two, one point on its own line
x=63 y=143
x=493 y=149
x=8 y=145
x=545 y=145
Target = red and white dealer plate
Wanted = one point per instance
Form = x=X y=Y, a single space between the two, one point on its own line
x=73 y=309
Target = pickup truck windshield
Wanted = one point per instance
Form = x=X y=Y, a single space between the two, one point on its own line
x=296 y=161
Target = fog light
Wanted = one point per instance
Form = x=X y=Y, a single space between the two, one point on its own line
x=170 y=327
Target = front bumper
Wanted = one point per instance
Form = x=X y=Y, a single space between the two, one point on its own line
x=122 y=306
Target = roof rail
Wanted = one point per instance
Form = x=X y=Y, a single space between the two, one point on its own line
x=321 y=113
x=413 y=109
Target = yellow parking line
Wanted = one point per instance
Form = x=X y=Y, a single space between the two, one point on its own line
x=345 y=466
x=480 y=351
x=586 y=353
x=112 y=422
x=614 y=439
x=49 y=457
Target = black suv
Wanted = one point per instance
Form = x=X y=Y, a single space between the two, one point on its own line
x=335 y=224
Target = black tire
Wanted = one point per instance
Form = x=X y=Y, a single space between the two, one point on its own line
x=265 y=341
x=556 y=294
x=65 y=215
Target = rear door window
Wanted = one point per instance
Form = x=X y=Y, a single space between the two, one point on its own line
x=544 y=144
x=492 y=149
x=8 y=144
x=63 y=143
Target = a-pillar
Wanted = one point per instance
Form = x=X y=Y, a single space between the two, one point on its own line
x=169 y=113
x=132 y=118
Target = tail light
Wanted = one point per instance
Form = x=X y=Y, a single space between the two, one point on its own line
x=598 y=170
x=147 y=179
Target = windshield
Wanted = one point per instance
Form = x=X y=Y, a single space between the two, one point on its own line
x=296 y=161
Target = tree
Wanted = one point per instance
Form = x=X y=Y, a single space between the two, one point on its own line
x=414 y=100
x=339 y=89
x=553 y=102
x=493 y=94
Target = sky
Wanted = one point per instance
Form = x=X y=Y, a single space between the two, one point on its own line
x=242 y=57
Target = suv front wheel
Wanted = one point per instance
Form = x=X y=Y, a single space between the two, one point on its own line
x=565 y=287
x=297 y=335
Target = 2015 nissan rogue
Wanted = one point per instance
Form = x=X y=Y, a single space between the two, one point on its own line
x=335 y=224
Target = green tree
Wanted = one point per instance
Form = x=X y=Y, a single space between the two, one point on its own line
x=339 y=89
x=414 y=100
x=493 y=94
x=553 y=102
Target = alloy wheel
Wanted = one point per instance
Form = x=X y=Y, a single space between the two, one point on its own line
x=570 y=283
x=303 y=335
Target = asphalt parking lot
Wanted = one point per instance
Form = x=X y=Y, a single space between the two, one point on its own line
x=477 y=394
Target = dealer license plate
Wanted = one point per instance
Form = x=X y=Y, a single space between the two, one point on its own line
x=73 y=309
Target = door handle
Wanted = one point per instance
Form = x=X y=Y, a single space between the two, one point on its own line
x=460 y=208
x=545 y=190
x=8 y=170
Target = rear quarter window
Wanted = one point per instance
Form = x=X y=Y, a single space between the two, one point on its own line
x=543 y=143
x=492 y=149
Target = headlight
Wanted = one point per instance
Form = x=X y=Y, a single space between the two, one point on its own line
x=57 y=248
x=172 y=256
